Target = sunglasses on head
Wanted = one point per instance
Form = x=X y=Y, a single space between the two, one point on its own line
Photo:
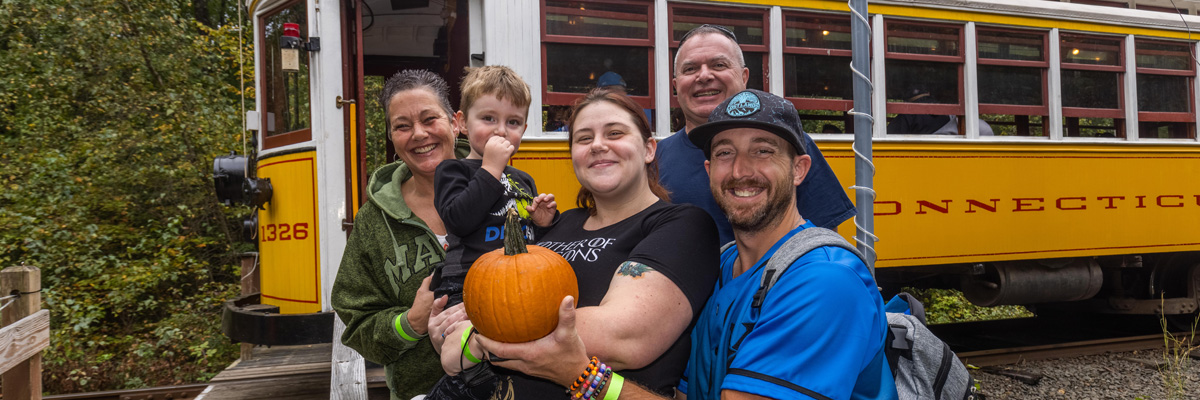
x=723 y=30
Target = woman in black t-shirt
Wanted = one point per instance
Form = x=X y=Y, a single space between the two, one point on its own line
x=645 y=266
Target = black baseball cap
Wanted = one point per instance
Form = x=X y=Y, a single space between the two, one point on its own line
x=751 y=108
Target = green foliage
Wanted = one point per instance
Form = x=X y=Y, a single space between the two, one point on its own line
x=943 y=306
x=1177 y=351
x=110 y=115
x=376 y=124
x=814 y=121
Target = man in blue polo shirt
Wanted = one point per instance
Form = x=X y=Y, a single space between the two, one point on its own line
x=709 y=68
x=819 y=331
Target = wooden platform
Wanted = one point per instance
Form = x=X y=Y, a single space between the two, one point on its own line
x=285 y=373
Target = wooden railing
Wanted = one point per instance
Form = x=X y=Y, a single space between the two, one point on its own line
x=24 y=332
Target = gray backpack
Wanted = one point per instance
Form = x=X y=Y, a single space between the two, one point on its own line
x=923 y=365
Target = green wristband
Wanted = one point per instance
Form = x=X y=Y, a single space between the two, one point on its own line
x=405 y=330
x=614 y=387
x=466 y=347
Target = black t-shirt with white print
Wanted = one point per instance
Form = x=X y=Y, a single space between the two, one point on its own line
x=473 y=206
x=676 y=240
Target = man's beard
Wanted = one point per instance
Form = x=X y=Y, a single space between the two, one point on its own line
x=762 y=216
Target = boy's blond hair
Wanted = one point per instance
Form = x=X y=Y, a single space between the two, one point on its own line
x=496 y=80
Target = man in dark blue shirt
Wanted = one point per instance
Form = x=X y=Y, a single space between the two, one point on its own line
x=710 y=68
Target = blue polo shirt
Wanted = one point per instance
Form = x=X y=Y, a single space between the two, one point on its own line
x=819 y=333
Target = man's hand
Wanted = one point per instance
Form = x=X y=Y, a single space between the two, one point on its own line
x=496 y=153
x=542 y=210
x=418 y=315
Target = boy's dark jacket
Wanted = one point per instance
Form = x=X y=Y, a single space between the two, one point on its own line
x=387 y=256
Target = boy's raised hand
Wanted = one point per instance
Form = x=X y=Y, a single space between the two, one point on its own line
x=496 y=153
x=542 y=210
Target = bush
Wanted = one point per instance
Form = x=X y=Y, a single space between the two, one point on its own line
x=944 y=306
x=111 y=112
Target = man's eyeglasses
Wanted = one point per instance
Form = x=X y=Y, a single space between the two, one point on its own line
x=709 y=28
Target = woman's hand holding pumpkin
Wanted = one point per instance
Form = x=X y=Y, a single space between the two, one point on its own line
x=558 y=357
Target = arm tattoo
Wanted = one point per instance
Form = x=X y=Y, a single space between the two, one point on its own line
x=633 y=269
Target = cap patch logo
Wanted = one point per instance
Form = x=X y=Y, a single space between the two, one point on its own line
x=743 y=104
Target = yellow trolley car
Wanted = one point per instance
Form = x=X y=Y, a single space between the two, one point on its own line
x=1070 y=171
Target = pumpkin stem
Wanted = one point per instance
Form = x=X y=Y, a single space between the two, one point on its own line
x=514 y=237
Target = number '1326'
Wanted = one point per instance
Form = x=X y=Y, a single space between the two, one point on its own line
x=273 y=232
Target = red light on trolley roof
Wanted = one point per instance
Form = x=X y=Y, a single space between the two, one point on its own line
x=291 y=29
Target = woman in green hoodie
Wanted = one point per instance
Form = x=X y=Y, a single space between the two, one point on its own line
x=381 y=290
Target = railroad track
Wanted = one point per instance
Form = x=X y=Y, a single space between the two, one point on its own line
x=1002 y=342
x=1013 y=355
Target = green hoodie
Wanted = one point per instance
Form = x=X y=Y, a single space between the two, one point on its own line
x=387 y=256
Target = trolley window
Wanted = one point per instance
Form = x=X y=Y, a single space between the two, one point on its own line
x=1012 y=81
x=595 y=43
x=749 y=25
x=287 y=112
x=1164 y=90
x=1171 y=10
x=924 y=64
x=816 y=65
x=1102 y=3
x=1092 y=70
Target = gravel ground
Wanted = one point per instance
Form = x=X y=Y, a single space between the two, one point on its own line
x=1130 y=375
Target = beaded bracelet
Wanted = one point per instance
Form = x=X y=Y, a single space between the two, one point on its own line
x=584 y=377
x=597 y=385
x=591 y=383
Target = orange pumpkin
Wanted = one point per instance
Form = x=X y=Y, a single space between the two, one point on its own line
x=512 y=294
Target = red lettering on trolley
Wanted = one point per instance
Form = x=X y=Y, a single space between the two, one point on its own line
x=972 y=203
x=273 y=232
x=1024 y=204
x=897 y=204
x=1067 y=203
x=1174 y=196
x=1110 y=200
x=921 y=204
x=1059 y=203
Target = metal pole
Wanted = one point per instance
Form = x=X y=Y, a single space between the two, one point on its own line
x=864 y=169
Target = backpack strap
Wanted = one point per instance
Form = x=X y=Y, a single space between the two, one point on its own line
x=725 y=254
x=915 y=308
x=796 y=246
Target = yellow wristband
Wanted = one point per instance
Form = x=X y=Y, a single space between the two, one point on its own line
x=614 y=387
x=466 y=347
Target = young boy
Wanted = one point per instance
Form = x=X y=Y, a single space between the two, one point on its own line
x=473 y=195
